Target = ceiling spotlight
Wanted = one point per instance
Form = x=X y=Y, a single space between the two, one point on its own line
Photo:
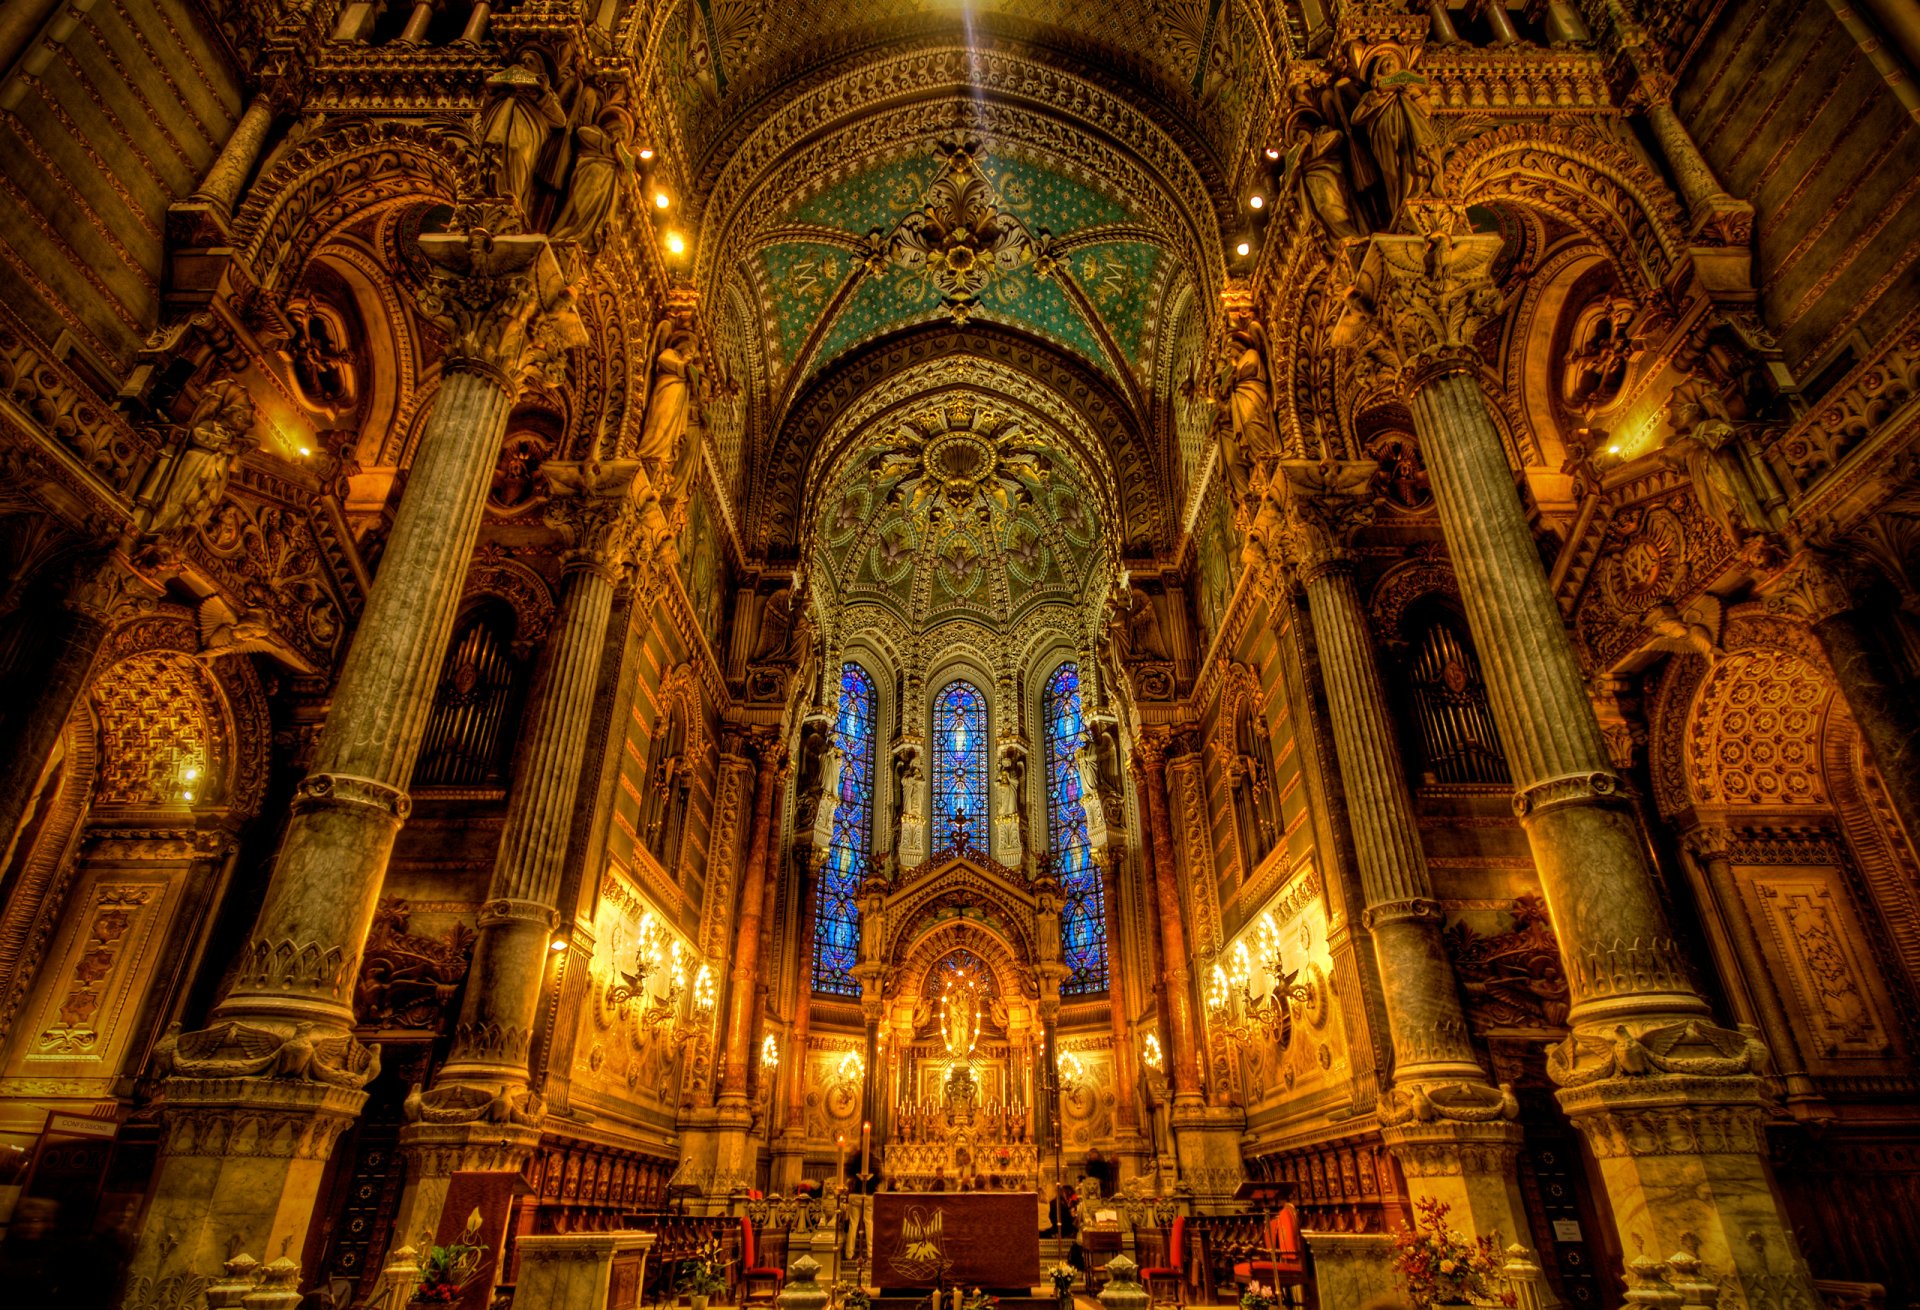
x=1273 y=152
x=676 y=244
x=1257 y=200
x=661 y=200
x=1614 y=449
x=305 y=451
x=1242 y=249
x=646 y=152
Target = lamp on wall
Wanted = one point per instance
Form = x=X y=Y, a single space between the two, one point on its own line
x=1247 y=1015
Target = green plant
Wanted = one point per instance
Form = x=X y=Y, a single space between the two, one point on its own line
x=856 y=1298
x=1255 y=1297
x=446 y=1270
x=698 y=1277
x=1444 y=1266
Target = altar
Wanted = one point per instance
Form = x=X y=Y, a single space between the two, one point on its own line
x=957 y=1239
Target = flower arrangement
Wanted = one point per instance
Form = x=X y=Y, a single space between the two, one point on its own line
x=979 y=1300
x=700 y=1276
x=856 y=1297
x=1444 y=1266
x=446 y=1270
x=1062 y=1274
x=1256 y=1296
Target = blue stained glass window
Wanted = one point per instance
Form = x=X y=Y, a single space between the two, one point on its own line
x=836 y=932
x=959 y=770
x=1083 y=902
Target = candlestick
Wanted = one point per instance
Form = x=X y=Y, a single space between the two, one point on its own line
x=866 y=1145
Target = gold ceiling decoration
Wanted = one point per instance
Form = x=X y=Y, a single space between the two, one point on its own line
x=961 y=239
x=965 y=461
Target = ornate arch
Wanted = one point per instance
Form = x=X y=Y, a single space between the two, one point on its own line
x=1400 y=587
x=924 y=945
x=334 y=178
x=494 y=573
x=1595 y=185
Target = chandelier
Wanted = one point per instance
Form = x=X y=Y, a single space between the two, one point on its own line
x=1245 y=1014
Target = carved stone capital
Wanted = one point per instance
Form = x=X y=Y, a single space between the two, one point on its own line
x=1568 y=789
x=506 y=910
x=504 y=301
x=1449 y=1148
x=110 y=592
x=1150 y=751
x=345 y=791
x=440 y=1150
x=263 y=1118
x=1816 y=585
x=1420 y=909
x=1417 y=302
x=1708 y=842
x=1323 y=503
x=596 y=508
x=1661 y=1063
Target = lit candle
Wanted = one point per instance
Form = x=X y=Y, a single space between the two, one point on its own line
x=840 y=1164
x=866 y=1147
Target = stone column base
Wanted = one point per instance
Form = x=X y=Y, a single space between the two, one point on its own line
x=240 y=1168
x=1471 y=1167
x=1211 y=1166
x=434 y=1153
x=789 y=1163
x=1682 y=1156
x=718 y=1154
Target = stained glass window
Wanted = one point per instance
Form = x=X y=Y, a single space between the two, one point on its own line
x=1083 y=905
x=959 y=770
x=836 y=933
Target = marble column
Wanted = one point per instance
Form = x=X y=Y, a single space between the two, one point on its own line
x=220 y=188
x=736 y=1064
x=1826 y=592
x=255 y=1101
x=1710 y=209
x=1183 y=1055
x=1461 y=1144
x=1669 y=1103
x=596 y=510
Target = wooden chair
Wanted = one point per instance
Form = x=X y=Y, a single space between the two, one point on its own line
x=758 y=1281
x=1287 y=1267
x=1173 y=1272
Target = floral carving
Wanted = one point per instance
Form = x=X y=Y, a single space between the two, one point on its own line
x=1511 y=979
x=407 y=979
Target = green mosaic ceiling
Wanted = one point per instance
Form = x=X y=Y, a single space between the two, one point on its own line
x=1097 y=286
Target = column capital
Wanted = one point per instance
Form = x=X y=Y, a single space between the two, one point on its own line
x=596 y=508
x=1322 y=504
x=110 y=592
x=1150 y=749
x=1417 y=302
x=502 y=298
x=1816 y=585
x=1708 y=841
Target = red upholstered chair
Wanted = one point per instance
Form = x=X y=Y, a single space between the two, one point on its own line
x=759 y=1281
x=1174 y=1271
x=1287 y=1267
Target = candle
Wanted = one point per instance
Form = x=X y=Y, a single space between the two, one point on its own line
x=840 y=1164
x=866 y=1147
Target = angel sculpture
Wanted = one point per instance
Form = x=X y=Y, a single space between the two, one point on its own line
x=676 y=379
x=217 y=435
x=521 y=112
x=1244 y=387
x=600 y=174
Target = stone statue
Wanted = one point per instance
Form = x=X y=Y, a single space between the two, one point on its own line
x=828 y=802
x=1008 y=790
x=1086 y=764
x=218 y=433
x=1396 y=113
x=1143 y=628
x=910 y=841
x=1244 y=388
x=1316 y=167
x=670 y=404
x=521 y=111
x=776 y=627
x=600 y=173
x=1705 y=444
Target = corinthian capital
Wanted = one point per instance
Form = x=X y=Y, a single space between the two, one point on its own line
x=1322 y=503
x=596 y=507
x=1814 y=586
x=504 y=301
x=1417 y=302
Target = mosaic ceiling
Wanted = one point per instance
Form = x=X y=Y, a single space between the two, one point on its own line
x=963 y=510
x=1075 y=266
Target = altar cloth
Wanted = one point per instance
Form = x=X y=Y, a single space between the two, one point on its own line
x=970 y=1239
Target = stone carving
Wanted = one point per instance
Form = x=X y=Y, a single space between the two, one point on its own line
x=1396 y=113
x=1315 y=166
x=458 y=1103
x=218 y=432
x=1691 y=1048
x=520 y=113
x=1705 y=445
x=75 y=1030
x=1450 y=1102
x=674 y=396
x=502 y=298
x=1248 y=443
x=1009 y=802
x=602 y=173
x=959 y=239
x=407 y=979
x=1511 y=979
x=239 y=1050
x=161 y=737
x=596 y=510
x=1420 y=300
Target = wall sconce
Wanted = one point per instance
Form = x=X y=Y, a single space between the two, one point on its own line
x=769 y=1053
x=1072 y=1071
x=1151 y=1055
x=852 y=1067
x=1235 y=1009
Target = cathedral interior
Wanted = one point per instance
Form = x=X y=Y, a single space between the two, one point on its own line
x=654 y=621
